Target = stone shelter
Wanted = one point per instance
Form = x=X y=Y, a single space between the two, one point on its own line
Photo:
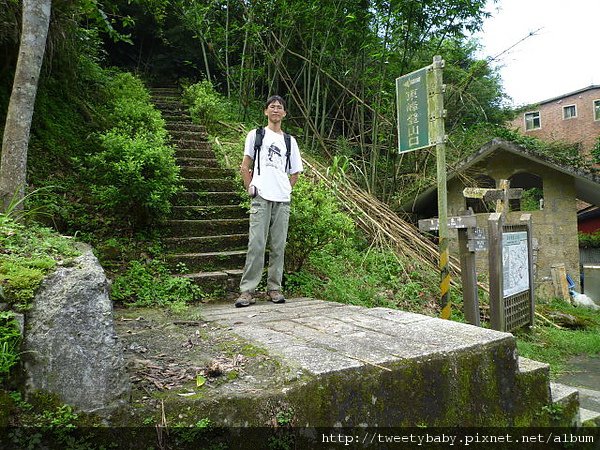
x=551 y=188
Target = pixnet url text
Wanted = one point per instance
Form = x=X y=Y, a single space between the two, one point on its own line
x=462 y=440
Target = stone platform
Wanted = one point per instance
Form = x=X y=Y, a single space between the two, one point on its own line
x=354 y=366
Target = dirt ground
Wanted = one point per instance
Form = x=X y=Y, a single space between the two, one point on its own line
x=182 y=356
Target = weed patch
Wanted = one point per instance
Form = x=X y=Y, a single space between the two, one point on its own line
x=9 y=343
x=28 y=254
x=151 y=284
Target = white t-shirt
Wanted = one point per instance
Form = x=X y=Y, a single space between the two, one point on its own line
x=273 y=183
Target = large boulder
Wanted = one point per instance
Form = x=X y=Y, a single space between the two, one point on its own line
x=70 y=345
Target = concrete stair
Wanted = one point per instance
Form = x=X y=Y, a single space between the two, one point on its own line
x=583 y=374
x=575 y=406
x=207 y=234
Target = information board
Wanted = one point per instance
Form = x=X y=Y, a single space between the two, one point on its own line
x=515 y=262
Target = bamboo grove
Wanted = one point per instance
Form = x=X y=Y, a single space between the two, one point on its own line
x=335 y=61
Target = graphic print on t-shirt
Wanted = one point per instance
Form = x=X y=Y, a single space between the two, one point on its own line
x=272 y=152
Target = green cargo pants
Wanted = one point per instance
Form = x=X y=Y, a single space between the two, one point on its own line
x=268 y=221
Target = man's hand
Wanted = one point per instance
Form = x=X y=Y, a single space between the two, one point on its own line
x=294 y=178
x=246 y=170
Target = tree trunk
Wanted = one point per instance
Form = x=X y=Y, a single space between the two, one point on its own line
x=13 y=166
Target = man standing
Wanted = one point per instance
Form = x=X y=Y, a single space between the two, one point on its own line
x=270 y=168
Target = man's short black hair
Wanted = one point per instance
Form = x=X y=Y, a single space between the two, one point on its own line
x=275 y=98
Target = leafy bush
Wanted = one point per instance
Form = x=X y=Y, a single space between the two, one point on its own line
x=104 y=152
x=530 y=199
x=589 y=240
x=9 y=342
x=152 y=284
x=315 y=222
x=206 y=105
x=134 y=174
x=596 y=152
x=327 y=259
x=129 y=109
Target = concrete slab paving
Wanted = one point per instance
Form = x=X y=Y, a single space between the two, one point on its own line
x=321 y=336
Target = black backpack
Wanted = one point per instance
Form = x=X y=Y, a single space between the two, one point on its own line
x=260 y=134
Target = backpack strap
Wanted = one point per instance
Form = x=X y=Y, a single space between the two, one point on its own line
x=288 y=146
x=258 y=139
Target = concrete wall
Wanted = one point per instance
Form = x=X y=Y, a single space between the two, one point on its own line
x=581 y=129
x=554 y=228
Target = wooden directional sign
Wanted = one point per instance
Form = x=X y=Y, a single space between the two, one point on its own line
x=453 y=222
x=492 y=194
x=477 y=239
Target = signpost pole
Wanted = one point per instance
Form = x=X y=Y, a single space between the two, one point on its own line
x=497 y=316
x=439 y=133
x=420 y=97
x=468 y=276
x=526 y=219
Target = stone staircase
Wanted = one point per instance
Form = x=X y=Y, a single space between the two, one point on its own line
x=589 y=407
x=207 y=234
x=583 y=375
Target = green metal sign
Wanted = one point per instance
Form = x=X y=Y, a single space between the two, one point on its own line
x=412 y=96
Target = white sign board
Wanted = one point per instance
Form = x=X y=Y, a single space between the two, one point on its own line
x=515 y=262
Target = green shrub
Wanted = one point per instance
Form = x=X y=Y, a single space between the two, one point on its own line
x=9 y=343
x=152 y=284
x=316 y=221
x=596 y=151
x=130 y=110
x=530 y=199
x=589 y=240
x=133 y=175
x=103 y=154
x=327 y=259
x=206 y=105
